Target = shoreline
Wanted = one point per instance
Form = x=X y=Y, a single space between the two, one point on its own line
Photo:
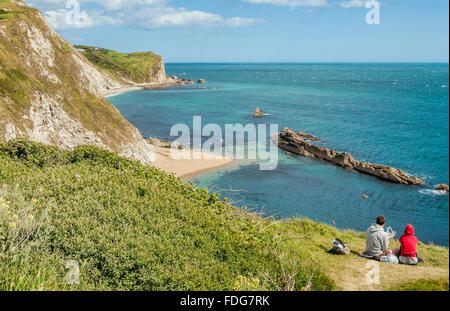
x=144 y=86
x=182 y=163
x=136 y=87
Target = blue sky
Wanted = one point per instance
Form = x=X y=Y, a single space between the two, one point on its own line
x=260 y=30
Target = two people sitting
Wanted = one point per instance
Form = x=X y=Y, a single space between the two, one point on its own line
x=377 y=243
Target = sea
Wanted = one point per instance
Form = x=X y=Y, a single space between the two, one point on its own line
x=391 y=114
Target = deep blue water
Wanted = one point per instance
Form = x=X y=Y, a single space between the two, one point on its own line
x=393 y=114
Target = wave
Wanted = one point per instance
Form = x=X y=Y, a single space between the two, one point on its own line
x=432 y=192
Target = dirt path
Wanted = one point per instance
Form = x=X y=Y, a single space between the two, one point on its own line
x=353 y=272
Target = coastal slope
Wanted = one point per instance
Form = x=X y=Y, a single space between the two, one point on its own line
x=128 y=68
x=133 y=227
x=50 y=93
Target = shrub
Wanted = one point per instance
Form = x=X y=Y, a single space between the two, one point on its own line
x=131 y=227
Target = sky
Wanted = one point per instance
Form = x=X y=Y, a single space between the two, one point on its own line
x=258 y=30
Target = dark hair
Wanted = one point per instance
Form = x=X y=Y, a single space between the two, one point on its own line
x=381 y=220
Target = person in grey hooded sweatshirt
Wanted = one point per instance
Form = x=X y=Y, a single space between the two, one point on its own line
x=377 y=240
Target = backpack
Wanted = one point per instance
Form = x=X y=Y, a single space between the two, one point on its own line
x=339 y=248
x=391 y=258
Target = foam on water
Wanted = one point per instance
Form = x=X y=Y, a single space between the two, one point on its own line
x=433 y=192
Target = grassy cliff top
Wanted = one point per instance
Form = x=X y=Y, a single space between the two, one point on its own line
x=139 y=67
x=133 y=227
x=10 y=9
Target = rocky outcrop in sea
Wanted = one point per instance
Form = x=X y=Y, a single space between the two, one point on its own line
x=443 y=187
x=290 y=141
x=258 y=113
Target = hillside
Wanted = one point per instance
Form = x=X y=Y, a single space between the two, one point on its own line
x=50 y=93
x=133 y=227
x=130 y=226
x=141 y=67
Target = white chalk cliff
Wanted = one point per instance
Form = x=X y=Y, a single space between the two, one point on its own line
x=50 y=93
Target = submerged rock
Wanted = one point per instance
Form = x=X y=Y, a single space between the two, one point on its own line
x=289 y=141
x=258 y=113
x=443 y=187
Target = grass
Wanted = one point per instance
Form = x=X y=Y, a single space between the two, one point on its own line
x=423 y=285
x=310 y=239
x=139 y=67
x=9 y=10
x=133 y=227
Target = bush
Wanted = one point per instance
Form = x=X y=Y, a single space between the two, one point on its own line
x=131 y=227
x=30 y=153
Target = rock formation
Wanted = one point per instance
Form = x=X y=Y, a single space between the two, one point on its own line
x=443 y=187
x=288 y=140
x=50 y=93
x=258 y=113
x=160 y=143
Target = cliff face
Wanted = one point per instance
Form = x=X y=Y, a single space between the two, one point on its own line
x=50 y=93
x=129 y=68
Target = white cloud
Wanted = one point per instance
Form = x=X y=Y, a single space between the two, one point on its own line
x=311 y=3
x=178 y=17
x=148 y=14
x=352 y=4
x=58 y=19
x=291 y=3
x=241 y=22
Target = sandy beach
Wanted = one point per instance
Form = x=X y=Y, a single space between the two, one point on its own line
x=183 y=163
x=135 y=87
x=120 y=90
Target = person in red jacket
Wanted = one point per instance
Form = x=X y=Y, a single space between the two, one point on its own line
x=408 y=249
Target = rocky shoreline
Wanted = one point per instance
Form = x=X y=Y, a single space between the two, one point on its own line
x=290 y=141
x=170 y=82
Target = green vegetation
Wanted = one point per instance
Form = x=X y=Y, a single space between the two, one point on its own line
x=9 y=10
x=349 y=271
x=133 y=227
x=423 y=285
x=139 y=67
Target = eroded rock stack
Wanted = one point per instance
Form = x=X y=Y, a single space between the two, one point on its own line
x=443 y=187
x=258 y=113
x=290 y=141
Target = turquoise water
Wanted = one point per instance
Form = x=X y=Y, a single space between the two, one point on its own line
x=393 y=114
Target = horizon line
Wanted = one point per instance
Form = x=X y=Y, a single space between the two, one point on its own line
x=308 y=62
